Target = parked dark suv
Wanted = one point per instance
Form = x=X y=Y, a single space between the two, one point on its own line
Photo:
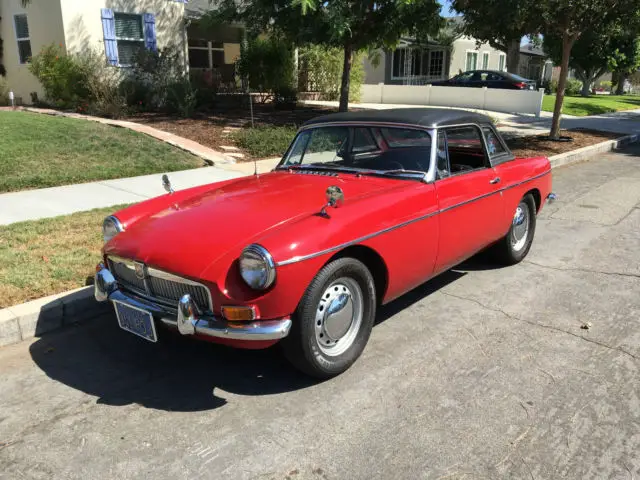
x=488 y=78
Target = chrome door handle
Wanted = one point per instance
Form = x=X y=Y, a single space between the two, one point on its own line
x=495 y=180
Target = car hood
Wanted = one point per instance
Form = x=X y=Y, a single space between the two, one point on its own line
x=191 y=234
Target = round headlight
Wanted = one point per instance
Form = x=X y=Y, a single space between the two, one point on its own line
x=257 y=267
x=110 y=228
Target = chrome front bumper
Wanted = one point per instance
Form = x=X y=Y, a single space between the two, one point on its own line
x=188 y=320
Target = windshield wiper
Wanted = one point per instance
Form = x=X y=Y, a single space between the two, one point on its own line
x=357 y=171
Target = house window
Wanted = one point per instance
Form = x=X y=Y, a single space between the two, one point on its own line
x=411 y=62
x=205 y=55
x=436 y=63
x=501 y=64
x=22 y=36
x=130 y=37
x=485 y=60
x=472 y=61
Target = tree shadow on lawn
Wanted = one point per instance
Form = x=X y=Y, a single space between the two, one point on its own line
x=178 y=373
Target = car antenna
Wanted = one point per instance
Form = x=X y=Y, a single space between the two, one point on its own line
x=255 y=167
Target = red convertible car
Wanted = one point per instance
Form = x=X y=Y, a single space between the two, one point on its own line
x=362 y=208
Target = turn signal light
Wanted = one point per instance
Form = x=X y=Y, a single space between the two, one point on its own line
x=239 y=314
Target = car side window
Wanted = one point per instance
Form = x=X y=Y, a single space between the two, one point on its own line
x=442 y=158
x=465 y=149
x=493 y=77
x=494 y=146
x=363 y=141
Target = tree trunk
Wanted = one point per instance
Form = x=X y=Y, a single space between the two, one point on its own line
x=586 y=86
x=620 y=87
x=513 y=56
x=346 y=77
x=567 y=43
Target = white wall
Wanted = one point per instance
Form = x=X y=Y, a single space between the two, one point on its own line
x=494 y=99
x=44 y=18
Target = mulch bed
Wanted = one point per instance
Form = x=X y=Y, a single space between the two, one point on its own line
x=537 y=145
x=207 y=129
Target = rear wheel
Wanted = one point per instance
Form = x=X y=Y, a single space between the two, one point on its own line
x=516 y=244
x=333 y=321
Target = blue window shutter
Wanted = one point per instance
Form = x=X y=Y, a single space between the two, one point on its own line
x=150 y=32
x=109 y=30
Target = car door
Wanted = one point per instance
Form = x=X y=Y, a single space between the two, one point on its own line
x=471 y=210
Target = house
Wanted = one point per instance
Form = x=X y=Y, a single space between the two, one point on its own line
x=119 y=28
x=214 y=50
x=410 y=64
x=534 y=63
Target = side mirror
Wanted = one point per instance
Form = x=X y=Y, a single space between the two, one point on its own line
x=167 y=184
x=335 y=198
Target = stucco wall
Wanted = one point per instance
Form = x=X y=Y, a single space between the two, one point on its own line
x=83 y=22
x=77 y=25
x=45 y=27
x=494 y=99
x=459 y=57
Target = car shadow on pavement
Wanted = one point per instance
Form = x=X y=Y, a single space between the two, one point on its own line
x=178 y=373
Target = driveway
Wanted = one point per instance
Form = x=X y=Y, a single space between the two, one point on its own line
x=480 y=373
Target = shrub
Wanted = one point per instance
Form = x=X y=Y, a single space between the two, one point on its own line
x=147 y=83
x=63 y=77
x=573 y=87
x=181 y=97
x=267 y=64
x=106 y=97
x=263 y=141
x=4 y=91
x=321 y=71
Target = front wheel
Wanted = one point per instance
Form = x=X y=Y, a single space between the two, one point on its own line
x=516 y=244
x=333 y=321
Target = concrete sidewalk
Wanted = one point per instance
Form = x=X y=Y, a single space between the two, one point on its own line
x=51 y=202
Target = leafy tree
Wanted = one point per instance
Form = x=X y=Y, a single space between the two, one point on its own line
x=590 y=56
x=569 y=20
x=352 y=25
x=500 y=23
x=625 y=60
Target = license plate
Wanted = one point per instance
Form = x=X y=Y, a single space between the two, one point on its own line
x=135 y=320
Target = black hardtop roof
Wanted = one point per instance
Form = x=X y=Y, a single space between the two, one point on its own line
x=424 y=117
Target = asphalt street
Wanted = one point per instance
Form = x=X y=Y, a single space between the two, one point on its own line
x=531 y=371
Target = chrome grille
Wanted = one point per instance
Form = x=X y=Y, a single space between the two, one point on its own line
x=159 y=286
x=173 y=291
x=124 y=271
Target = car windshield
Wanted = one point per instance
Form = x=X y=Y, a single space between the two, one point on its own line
x=364 y=149
x=518 y=78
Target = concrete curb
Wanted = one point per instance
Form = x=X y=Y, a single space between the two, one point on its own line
x=212 y=157
x=35 y=318
x=585 y=153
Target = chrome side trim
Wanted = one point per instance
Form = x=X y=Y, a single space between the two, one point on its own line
x=353 y=242
x=403 y=224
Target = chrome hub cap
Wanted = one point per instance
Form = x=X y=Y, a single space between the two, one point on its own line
x=520 y=227
x=339 y=316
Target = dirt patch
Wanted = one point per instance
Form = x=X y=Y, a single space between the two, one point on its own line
x=213 y=129
x=537 y=145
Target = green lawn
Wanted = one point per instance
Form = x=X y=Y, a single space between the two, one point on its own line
x=38 y=151
x=593 y=105
x=43 y=257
